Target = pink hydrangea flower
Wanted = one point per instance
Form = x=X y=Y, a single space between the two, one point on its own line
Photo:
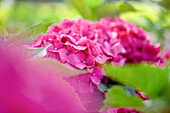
x=137 y=47
x=110 y=45
x=84 y=44
x=75 y=51
x=98 y=32
x=121 y=41
x=121 y=110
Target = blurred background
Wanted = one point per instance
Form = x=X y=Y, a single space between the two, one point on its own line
x=151 y=15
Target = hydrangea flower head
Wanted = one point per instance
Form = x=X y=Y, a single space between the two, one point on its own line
x=73 y=50
x=98 y=32
x=137 y=47
x=120 y=41
x=85 y=44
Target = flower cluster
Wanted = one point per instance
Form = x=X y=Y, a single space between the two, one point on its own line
x=137 y=47
x=120 y=41
x=85 y=44
x=73 y=50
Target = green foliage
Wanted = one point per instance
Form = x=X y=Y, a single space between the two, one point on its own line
x=83 y=9
x=24 y=14
x=97 y=10
x=106 y=10
x=111 y=10
x=165 y=4
x=93 y=3
x=125 y=7
x=3 y=32
x=27 y=36
x=167 y=94
x=117 y=97
x=151 y=80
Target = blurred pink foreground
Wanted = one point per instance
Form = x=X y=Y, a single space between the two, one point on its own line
x=27 y=88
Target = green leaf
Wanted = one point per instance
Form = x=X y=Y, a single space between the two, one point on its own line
x=27 y=36
x=151 y=80
x=3 y=32
x=83 y=9
x=125 y=7
x=93 y=3
x=106 y=10
x=111 y=10
x=117 y=97
x=167 y=94
x=165 y=4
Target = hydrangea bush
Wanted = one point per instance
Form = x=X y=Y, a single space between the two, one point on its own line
x=98 y=63
x=88 y=45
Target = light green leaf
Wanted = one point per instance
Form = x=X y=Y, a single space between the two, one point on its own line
x=27 y=36
x=125 y=7
x=93 y=3
x=83 y=9
x=117 y=97
x=151 y=80
x=3 y=32
x=111 y=10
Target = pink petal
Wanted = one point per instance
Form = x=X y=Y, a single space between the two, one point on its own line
x=98 y=72
x=81 y=56
x=63 y=54
x=101 y=59
x=81 y=65
x=75 y=46
x=90 y=60
x=95 y=80
x=73 y=60
x=37 y=43
x=82 y=41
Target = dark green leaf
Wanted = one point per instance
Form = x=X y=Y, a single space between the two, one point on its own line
x=165 y=4
x=151 y=80
x=27 y=36
x=117 y=97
